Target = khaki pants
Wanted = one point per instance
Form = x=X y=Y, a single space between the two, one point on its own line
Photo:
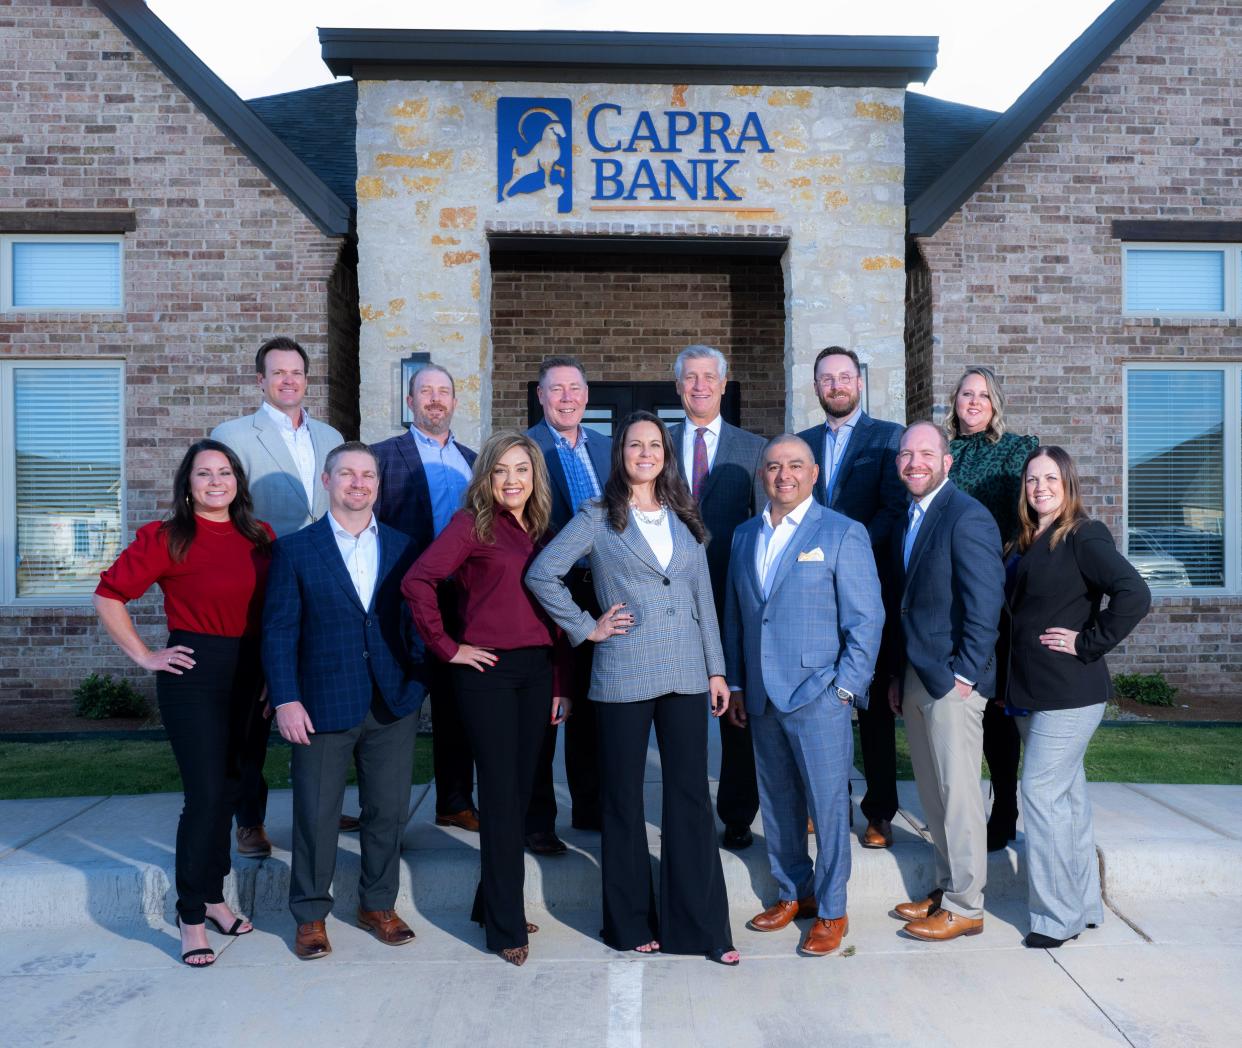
x=946 y=748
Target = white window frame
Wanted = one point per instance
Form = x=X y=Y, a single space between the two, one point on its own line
x=1232 y=276
x=1232 y=466
x=7 y=241
x=8 y=478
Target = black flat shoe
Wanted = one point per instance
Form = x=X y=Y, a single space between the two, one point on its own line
x=232 y=930
x=1035 y=941
x=718 y=955
x=545 y=843
x=1000 y=834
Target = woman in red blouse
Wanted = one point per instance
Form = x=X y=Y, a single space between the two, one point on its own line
x=210 y=558
x=506 y=680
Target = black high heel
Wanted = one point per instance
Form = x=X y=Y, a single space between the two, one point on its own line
x=233 y=929
x=200 y=952
x=718 y=955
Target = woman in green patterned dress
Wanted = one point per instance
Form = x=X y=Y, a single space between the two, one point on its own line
x=987 y=464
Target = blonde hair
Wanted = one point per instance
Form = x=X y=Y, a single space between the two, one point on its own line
x=482 y=503
x=996 y=424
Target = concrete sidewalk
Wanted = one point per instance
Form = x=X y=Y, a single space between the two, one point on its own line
x=88 y=950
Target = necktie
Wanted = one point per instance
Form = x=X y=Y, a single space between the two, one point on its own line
x=912 y=530
x=830 y=462
x=700 y=463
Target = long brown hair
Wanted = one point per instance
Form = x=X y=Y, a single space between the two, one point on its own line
x=1071 y=515
x=482 y=503
x=181 y=527
x=670 y=489
x=996 y=424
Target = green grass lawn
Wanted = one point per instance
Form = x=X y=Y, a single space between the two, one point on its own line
x=102 y=767
x=93 y=768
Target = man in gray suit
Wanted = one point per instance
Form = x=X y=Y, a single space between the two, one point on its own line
x=718 y=463
x=282 y=449
x=802 y=627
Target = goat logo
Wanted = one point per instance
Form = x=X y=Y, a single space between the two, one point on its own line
x=534 y=149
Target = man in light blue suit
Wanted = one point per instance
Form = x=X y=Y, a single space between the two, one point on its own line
x=802 y=626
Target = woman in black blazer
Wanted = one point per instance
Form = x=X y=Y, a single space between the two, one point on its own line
x=1062 y=565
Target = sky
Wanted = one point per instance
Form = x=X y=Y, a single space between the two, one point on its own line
x=990 y=50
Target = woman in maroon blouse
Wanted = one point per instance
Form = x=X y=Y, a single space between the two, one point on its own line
x=210 y=558
x=505 y=676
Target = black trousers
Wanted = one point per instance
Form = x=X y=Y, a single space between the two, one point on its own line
x=878 y=743
x=581 y=758
x=382 y=748
x=204 y=711
x=451 y=758
x=693 y=911
x=737 y=796
x=1002 y=746
x=505 y=710
x=251 y=809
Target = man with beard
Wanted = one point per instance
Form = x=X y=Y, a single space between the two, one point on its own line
x=423 y=475
x=856 y=455
x=947 y=602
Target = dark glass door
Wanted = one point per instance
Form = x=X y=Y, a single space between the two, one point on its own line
x=612 y=401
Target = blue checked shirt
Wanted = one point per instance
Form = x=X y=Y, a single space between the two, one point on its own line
x=576 y=462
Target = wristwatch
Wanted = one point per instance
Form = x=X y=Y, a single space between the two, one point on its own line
x=846 y=697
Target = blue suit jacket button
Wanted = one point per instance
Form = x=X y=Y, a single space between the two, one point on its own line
x=367 y=623
x=672 y=611
x=366 y=654
x=667 y=583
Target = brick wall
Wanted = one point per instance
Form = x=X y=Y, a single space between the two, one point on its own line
x=220 y=260
x=1027 y=278
x=920 y=397
x=627 y=318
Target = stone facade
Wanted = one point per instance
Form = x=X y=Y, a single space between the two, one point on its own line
x=427 y=202
x=220 y=260
x=1026 y=277
x=626 y=319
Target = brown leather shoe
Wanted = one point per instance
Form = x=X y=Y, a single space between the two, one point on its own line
x=348 y=823
x=252 y=841
x=810 y=826
x=386 y=926
x=463 y=820
x=878 y=834
x=780 y=913
x=824 y=936
x=915 y=911
x=312 y=941
x=943 y=925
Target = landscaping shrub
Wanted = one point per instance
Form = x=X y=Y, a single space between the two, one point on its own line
x=99 y=697
x=1148 y=689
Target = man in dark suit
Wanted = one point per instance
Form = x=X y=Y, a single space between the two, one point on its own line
x=951 y=586
x=578 y=462
x=720 y=464
x=341 y=659
x=857 y=459
x=423 y=475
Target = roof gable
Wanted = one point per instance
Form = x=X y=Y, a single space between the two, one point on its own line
x=940 y=200
x=230 y=114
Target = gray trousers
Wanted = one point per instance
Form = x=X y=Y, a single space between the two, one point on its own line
x=945 y=733
x=384 y=755
x=1062 y=869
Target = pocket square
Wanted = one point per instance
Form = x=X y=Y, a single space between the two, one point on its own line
x=815 y=555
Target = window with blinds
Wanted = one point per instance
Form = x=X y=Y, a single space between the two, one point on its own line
x=1177 y=488
x=64 y=475
x=61 y=272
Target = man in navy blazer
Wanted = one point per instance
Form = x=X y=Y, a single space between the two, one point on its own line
x=802 y=628
x=948 y=592
x=341 y=659
x=578 y=461
x=857 y=459
x=423 y=473
x=720 y=465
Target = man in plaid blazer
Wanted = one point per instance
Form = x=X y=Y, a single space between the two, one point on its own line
x=342 y=663
x=802 y=627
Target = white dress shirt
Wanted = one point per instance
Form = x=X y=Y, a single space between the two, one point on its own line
x=301 y=450
x=659 y=536
x=711 y=439
x=773 y=540
x=361 y=556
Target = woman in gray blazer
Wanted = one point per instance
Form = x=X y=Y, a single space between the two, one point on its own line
x=658 y=660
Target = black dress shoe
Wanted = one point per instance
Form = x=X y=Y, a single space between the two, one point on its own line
x=1044 y=942
x=737 y=837
x=1000 y=833
x=545 y=843
x=587 y=822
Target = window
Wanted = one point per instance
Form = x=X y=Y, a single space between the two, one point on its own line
x=1184 y=476
x=1182 y=279
x=61 y=272
x=61 y=476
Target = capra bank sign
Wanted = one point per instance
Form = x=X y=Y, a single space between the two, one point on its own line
x=635 y=156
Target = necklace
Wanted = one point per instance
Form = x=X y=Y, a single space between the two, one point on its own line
x=654 y=519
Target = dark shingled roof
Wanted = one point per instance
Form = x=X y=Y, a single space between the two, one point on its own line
x=318 y=125
x=937 y=133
